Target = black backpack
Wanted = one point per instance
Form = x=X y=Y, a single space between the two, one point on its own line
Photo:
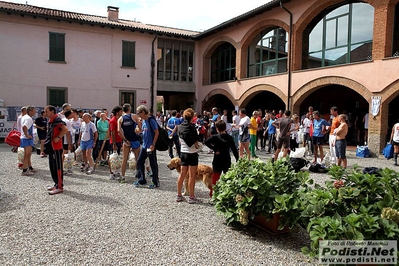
x=318 y=168
x=372 y=171
x=298 y=163
x=163 y=140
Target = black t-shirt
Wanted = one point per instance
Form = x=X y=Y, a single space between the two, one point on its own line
x=41 y=122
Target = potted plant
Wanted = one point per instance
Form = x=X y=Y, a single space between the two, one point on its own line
x=352 y=206
x=254 y=189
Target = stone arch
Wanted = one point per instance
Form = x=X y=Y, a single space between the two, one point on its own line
x=250 y=35
x=217 y=92
x=388 y=94
x=245 y=97
x=304 y=20
x=316 y=84
x=208 y=54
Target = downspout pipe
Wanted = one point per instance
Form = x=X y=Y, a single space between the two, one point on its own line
x=289 y=55
x=152 y=76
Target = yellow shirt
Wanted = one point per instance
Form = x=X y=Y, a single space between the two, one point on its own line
x=254 y=129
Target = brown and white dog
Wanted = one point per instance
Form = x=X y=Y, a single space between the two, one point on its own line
x=204 y=174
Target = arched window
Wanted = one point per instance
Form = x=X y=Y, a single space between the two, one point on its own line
x=343 y=35
x=267 y=54
x=223 y=63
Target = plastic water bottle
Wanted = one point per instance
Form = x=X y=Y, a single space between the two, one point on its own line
x=326 y=160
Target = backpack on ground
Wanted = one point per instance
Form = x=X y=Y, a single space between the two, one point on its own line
x=298 y=163
x=318 y=168
x=372 y=171
x=388 y=151
x=163 y=140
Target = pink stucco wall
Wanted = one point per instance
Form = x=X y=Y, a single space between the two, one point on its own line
x=92 y=73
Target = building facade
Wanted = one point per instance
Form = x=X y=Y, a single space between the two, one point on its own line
x=281 y=55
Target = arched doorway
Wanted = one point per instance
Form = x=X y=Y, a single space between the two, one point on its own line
x=264 y=100
x=393 y=115
x=347 y=100
x=219 y=101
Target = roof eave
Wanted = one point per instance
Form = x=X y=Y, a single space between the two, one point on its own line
x=133 y=29
x=239 y=19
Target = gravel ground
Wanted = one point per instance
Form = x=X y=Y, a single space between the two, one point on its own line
x=101 y=222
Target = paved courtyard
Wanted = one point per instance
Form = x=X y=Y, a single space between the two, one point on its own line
x=101 y=222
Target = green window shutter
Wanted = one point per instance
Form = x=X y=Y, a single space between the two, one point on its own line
x=57 y=97
x=128 y=54
x=57 y=46
x=61 y=47
x=53 y=46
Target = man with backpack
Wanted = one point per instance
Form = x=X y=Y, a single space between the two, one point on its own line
x=172 y=125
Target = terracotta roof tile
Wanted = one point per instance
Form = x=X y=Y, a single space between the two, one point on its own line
x=84 y=18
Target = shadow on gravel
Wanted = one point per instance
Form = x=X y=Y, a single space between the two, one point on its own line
x=8 y=202
x=93 y=199
x=294 y=240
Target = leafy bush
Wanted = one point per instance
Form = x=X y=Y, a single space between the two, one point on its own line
x=354 y=206
x=254 y=187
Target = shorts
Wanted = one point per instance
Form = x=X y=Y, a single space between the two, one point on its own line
x=26 y=143
x=340 y=148
x=118 y=147
x=86 y=145
x=106 y=145
x=134 y=144
x=284 y=140
x=245 y=137
x=41 y=135
x=65 y=147
x=318 y=140
x=394 y=143
x=189 y=159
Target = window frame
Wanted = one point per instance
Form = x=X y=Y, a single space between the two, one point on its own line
x=134 y=100
x=271 y=65
x=57 y=51
x=325 y=62
x=128 y=57
x=58 y=89
x=225 y=60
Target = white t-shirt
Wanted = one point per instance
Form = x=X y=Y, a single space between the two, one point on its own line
x=76 y=126
x=366 y=121
x=159 y=120
x=244 y=122
x=185 y=148
x=85 y=130
x=26 y=121
x=70 y=129
x=236 y=121
x=396 y=133
x=19 y=124
x=306 y=123
x=224 y=118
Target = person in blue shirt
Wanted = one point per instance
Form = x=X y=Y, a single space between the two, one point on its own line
x=150 y=137
x=319 y=129
x=271 y=133
x=172 y=126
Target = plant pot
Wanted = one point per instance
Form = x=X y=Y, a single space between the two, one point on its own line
x=270 y=226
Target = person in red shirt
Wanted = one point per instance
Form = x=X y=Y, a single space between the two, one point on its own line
x=53 y=147
x=280 y=114
x=115 y=139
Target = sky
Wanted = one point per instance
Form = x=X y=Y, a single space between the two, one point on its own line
x=190 y=15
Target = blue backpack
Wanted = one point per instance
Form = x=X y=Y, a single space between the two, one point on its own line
x=388 y=151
